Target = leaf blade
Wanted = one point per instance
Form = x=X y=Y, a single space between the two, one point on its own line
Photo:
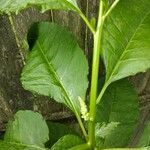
x=119 y=104
x=66 y=142
x=44 y=5
x=62 y=64
x=18 y=146
x=126 y=40
x=28 y=130
x=24 y=120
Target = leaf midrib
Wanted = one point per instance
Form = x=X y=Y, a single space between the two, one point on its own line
x=51 y=68
x=122 y=55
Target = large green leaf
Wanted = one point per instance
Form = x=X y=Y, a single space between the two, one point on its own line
x=126 y=39
x=8 y=6
x=119 y=107
x=28 y=131
x=66 y=142
x=18 y=146
x=56 y=66
x=145 y=138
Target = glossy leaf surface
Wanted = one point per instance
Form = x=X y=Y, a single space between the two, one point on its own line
x=66 y=142
x=119 y=105
x=18 y=146
x=56 y=66
x=8 y=6
x=28 y=131
x=126 y=39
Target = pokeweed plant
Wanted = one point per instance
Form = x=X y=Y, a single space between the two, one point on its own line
x=57 y=67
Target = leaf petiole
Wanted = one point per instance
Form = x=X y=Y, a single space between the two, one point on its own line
x=87 y=22
x=81 y=147
x=111 y=8
x=102 y=92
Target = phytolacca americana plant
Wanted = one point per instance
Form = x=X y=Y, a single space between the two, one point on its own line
x=57 y=67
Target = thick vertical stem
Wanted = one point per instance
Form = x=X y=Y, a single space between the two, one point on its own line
x=94 y=80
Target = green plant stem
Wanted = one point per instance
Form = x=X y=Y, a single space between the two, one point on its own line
x=78 y=119
x=81 y=126
x=16 y=37
x=111 y=8
x=85 y=19
x=94 y=80
x=81 y=147
x=75 y=112
x=87 y=22
x=102 y=93
x=107 y=83
x=95 y=68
